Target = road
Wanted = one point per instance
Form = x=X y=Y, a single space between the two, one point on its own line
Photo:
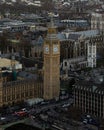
x=53 y=117
x=9 y=118
x=48 y=106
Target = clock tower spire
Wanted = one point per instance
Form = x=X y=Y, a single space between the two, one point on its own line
x=51 y=63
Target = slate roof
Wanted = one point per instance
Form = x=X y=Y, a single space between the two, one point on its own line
x=27 y=75
x=88 y=33
x=77 y=35
x=94 y=84
x=61 y=36
x=74 y=36
x=40 y=40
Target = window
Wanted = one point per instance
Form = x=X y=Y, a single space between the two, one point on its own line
x=31 y=92
x=8 y=98
x=18 y=96
x=26 y=93
x=22 y=95
x=93 y=49
x=4 y=99
x=65 y=63
x=89 y=49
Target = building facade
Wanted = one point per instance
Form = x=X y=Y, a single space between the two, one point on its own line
x=19 y=90
x=80 y=49
x=91 y=55
x=97 y=20
x=51 y=64
x=89 y=95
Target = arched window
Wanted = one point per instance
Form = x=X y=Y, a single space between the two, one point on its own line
x=65 y=63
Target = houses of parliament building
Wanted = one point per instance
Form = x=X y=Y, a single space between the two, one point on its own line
x=68 y=50
x=14 y=89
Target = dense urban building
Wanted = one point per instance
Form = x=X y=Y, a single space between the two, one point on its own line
x=16 y=85
x=79 y=49
x=97 y=20
x=76 y=24
x=22 y=86
x=52 y=63
x=89 y=93
x=19 y=91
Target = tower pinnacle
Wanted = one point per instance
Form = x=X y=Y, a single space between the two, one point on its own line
x=51 y=24
x=52 y=21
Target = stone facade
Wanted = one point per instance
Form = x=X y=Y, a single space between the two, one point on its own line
x=97 y=20
x=20 y=90
x=89 y=95
x=51 y=64
x=74 y=49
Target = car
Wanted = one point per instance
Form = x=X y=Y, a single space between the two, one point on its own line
x=21 y=113
x=43 y=103
x=2 y=118
x=66 y=105
x=85 y=121
x=88 y=116
x=24 y=109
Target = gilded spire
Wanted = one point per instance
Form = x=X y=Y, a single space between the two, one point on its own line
x=52 y=21
x=51 y=25
x=52 y=32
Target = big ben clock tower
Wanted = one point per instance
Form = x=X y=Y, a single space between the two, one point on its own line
x=51 y=64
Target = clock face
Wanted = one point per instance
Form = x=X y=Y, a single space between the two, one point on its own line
x=55 y=49
x=46 y=49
